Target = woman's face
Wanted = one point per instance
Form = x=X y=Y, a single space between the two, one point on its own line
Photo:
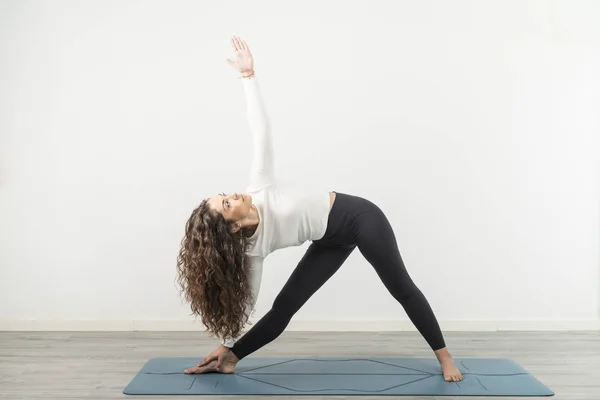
x=234 y=207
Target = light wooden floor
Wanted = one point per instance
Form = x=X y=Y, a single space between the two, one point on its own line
x=98 y=365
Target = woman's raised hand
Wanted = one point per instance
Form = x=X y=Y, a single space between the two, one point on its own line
x=243 y=62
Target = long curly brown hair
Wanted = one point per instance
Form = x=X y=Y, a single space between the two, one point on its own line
x=212 y=268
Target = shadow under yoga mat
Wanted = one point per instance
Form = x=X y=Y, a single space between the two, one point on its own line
x=338 y=376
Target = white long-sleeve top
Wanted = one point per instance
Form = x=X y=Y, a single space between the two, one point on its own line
x=288 y=214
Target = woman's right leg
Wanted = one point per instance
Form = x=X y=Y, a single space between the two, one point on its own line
x=314 y=269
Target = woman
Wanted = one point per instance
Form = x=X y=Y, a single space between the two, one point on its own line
x=228 y=236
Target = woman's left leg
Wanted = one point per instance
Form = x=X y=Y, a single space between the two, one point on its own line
x=377 y=243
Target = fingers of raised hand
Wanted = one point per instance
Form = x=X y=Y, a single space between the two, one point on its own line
x=238 y=44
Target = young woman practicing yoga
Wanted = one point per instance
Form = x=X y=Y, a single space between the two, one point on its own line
x=228 y=236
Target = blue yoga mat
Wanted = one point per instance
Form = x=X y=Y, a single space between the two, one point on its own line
x=338 y=376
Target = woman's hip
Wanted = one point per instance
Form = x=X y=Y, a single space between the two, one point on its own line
x=343 y=225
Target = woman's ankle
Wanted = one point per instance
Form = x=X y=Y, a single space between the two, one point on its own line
x=443 y=354
x=233 y=357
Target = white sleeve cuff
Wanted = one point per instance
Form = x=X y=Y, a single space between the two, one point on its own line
x=228 y=342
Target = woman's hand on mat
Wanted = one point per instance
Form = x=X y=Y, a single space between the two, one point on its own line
x=221 y=360
x=243 y=62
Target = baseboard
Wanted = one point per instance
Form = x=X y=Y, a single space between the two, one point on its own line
x=300 y=325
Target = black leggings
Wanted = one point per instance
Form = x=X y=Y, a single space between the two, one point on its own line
x=353 y=221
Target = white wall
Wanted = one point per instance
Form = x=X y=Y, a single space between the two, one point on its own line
x=474 y=125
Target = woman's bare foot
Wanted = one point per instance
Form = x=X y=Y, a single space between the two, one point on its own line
x=221 y=360
x=224 y=368
x=451 y=373
x=449 y=369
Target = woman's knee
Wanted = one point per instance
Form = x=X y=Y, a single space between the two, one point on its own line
x=284 y=307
